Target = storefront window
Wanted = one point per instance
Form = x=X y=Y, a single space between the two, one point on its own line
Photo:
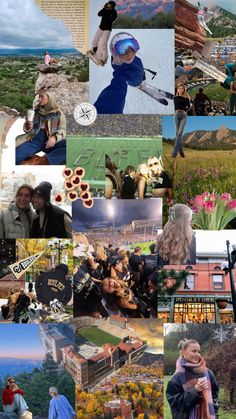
x=194 y=313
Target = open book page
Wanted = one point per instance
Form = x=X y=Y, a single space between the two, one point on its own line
x=74 y=14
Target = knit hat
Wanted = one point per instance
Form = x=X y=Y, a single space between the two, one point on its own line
x=44 y=190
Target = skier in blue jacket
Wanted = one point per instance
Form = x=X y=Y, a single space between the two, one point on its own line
x=128 y=70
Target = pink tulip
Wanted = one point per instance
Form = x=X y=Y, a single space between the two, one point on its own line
x=209 y=207
x=206 y=195
x=231 y=205
x=198 y=201
x=226 y=196
x=213 y=197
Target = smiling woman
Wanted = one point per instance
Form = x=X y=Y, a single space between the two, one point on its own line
x=192 y=392
x=16 y=221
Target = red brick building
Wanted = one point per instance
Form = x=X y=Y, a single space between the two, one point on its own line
x=89 y=364
x=203 y=298
x=121 y=408
x=9 y=283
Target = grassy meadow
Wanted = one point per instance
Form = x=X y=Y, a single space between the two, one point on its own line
x=200 y=171
x=214 y=91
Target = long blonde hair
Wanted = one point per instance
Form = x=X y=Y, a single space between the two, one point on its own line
x=173 y=243
x=185 y=93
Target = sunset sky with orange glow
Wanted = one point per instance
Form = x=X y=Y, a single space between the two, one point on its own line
x=150 y=330
x=20 y=341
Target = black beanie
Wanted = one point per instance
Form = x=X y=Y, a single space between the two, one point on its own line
x=62 y=267
x=44 y=190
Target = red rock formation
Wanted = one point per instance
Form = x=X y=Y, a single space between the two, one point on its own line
x=189 y=34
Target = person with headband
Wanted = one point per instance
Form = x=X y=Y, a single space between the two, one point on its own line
x=101 y=37
x=47 y=133
x=59 y=407
x=12 y=399
x=192 y=392
x=182 y=105
x=176 y=244
x=128 y=70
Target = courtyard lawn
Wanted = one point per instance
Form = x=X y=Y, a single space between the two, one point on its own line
x=98 y=337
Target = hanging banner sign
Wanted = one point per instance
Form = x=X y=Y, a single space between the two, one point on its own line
x=19 y=268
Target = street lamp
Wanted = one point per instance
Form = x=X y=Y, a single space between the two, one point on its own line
x=228 y=268
x=111 y=213
x=58 y=246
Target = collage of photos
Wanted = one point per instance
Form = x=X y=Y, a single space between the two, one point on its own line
x=117 y=259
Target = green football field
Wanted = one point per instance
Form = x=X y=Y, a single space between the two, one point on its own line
x=98 y=337
x=89 y=152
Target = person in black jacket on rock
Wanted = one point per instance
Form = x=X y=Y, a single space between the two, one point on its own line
x=192 y=392
x=100 y=40
x=52 y=221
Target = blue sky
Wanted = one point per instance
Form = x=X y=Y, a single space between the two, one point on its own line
x=24 y=25
x=229 y=5
x=209 y=123
x=20 y=341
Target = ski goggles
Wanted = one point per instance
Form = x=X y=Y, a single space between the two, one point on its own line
x=122 y=46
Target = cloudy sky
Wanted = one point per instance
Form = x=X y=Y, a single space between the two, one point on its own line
x=24 y=25
x=214 y=241
x=123 y=212
x=150 y=330
x=229 y=5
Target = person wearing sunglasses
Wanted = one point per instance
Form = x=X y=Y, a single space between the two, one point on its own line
x=158 y=178
x=12 y=399
x=128 y=70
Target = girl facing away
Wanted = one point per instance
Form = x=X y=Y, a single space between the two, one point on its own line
x=176 y=244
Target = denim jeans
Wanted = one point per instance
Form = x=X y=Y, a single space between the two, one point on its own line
x=232 y=103
x=55 y=154
x=180 y=121
x=18 y=405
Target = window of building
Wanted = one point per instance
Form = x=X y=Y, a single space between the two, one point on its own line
x=189 y=283
x=217 y=268
x=218 y=283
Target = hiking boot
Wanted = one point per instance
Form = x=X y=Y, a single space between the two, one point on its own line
x=181 y=153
